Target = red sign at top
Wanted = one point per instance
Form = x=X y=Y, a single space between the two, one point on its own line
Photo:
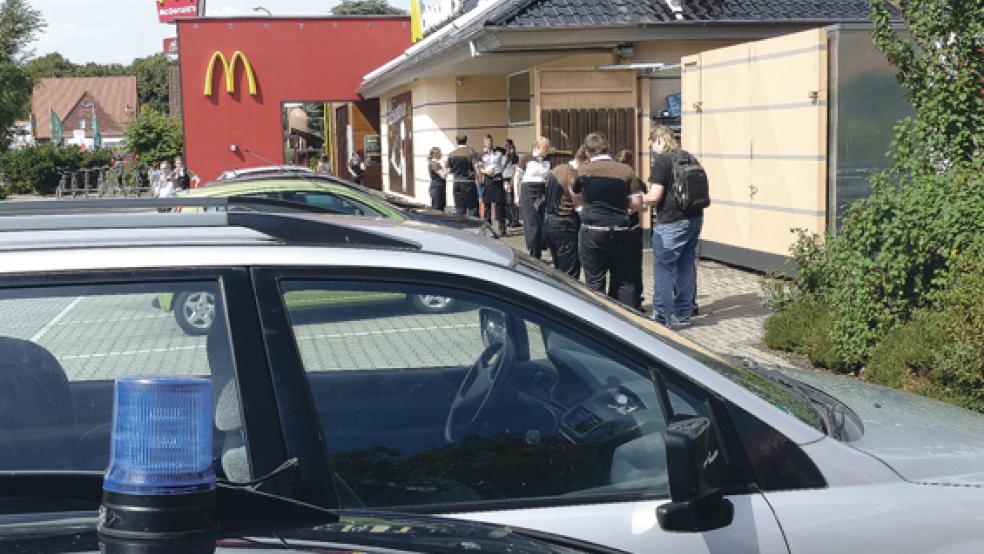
x=169 y=10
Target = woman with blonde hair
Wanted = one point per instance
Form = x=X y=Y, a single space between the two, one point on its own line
x=529 y=180
x=438 y=177
x=675 y=236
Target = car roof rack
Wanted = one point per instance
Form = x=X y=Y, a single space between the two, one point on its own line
x=287 y=222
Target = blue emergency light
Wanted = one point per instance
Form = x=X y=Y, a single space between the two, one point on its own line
x=160 y=482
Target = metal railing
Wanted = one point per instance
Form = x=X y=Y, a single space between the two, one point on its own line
x=104 y=182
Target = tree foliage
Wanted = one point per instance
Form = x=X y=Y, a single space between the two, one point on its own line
x=940 y=61
x=899 y=253
x=37 y=169
x=19 y=27
x=366 y=7
x=155 y=137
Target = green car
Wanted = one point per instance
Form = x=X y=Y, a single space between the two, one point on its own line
x=195 y=311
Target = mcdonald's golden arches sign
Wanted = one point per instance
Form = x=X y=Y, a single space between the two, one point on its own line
x=229 y=69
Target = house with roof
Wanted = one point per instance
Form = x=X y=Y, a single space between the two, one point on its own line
x=78 y=102
x=732 y=77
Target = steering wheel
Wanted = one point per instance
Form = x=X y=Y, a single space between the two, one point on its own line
x=477 y=388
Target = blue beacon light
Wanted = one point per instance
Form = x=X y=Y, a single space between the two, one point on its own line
x=160 y=483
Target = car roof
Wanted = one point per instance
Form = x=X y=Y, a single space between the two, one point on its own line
x=74 y=224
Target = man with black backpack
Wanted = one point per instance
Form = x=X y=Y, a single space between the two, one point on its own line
x=680 y=194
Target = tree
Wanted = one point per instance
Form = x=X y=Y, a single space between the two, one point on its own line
x=940 y=60
x=155 y=137
x=366 y=7
x=19 y=26
x=152 y=75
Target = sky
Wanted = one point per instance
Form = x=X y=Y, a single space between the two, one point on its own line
x=117 y=31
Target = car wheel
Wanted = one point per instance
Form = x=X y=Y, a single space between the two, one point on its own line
x=195 y=312
x=432 y=303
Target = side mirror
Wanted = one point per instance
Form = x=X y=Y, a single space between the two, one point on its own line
x=695 y=464
x=493 y=326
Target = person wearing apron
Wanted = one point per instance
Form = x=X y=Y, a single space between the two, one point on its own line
x=561 y=221
x=531 y=175
x=438 y=180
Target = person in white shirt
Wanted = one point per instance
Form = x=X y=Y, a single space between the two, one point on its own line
x=163 y=187
x=529 y=181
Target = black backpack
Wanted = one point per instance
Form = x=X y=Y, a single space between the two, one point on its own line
x=690 y=190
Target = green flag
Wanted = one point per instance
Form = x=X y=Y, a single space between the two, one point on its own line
x=96 y=135
x=56 y=128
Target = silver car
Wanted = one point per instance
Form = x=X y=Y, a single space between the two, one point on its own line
x=533 y=403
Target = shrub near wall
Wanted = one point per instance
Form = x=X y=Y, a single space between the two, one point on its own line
x=36 y=169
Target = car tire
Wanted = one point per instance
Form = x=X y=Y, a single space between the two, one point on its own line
x=432 y=303
x=195 y=312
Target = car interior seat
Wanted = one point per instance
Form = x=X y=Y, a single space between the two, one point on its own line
x=37 y=414
x=225 y=390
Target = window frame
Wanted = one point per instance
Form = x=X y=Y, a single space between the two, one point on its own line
x=286 y=358
x=509 y=99
x=261 y=435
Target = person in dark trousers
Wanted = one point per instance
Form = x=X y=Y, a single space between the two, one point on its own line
x=494 y=193
x=603 y=187
x=508 y=170
x=357 y=167
x=675 y=238
x=438 y=177
x=635 y=237
x=561 y=221
x=463 y=165
x=529 y=181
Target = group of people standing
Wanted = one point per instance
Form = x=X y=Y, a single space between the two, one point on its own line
x=485 y=179
x=586 y=213
x=165 y=181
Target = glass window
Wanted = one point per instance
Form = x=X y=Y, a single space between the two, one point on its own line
x=61 y=348
x=435 y=396
x=518 y=91
x=329 y=201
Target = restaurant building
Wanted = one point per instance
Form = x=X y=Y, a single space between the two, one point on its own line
x=748 y=85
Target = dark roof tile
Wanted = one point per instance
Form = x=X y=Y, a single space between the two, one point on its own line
x=539 y=13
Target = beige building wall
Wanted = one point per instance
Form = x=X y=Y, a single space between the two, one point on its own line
x=445 y=105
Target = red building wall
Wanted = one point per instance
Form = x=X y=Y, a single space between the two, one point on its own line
x=293 y=60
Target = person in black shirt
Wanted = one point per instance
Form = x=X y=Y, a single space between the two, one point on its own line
x=561 y=221
x=463 y=164
x=512 y=213
x=603 y=187
x=635 y=238
x=357 y=167
x=438 y=184
x=675 y=238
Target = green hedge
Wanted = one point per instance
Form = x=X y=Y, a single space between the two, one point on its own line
x=36 y=169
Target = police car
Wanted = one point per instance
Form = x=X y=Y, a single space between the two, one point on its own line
x=533 y=403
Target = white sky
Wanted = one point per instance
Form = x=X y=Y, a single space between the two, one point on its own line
x=117 y=31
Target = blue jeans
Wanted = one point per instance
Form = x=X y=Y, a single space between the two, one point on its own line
x=675 y=268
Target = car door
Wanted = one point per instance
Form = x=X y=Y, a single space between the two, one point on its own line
x=65 y=338
x=501 y=410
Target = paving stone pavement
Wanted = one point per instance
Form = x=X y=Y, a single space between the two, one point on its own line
x=732 y=316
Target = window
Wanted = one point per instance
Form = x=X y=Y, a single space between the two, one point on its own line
x=61 y=348
x=434 y=396
x=333 y=202
x=518 y=92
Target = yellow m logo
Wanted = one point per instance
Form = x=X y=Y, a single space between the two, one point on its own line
x=229 y=67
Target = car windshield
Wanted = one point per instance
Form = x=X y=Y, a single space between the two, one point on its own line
x=756 y=380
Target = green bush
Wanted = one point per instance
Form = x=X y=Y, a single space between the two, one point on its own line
x=803 y=326
x=155 y=137
x=37 y=168
x=940 y=351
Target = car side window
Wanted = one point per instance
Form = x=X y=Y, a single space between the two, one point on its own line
x=435 y=396
x=61 y=348
x=335 y=202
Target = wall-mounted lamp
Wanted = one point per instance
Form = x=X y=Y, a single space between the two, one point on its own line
x=460 y=81
x=233 y=148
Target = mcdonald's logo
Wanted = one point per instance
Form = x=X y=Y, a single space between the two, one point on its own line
x=229 y=67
